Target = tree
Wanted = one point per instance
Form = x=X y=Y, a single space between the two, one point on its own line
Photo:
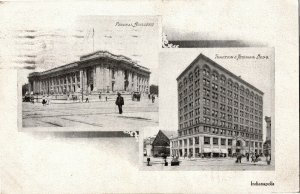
x=25 y=89
x=154 y=89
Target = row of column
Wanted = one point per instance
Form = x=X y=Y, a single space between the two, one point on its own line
x=55 y=85
x=104 y=79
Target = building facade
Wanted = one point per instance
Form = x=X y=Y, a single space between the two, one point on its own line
x=219 y=113
x=267 y=144
x=161 y=143
x=95 y=73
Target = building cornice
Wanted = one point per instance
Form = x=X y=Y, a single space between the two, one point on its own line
x=89 y=57
x=201 y=56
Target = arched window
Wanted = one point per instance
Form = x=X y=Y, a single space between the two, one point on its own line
x=229 y=83
x=251 y=95
x=184 y=81
x=191 y=77
x=197 y=72
x=180 y=85
x=206 y=71
x=247 y=92
x=242 y=90
x=236 y=87
x=215 y=75
x=223 y=79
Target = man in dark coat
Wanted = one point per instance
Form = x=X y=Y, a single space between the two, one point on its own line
x=120 y=103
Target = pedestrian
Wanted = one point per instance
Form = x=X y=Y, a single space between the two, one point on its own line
x=44 y=101
x=100 y=96
x=268 y=158
x=106 y=98
x=87 y=99
x=247 y=157
x=149 y=95
x=120 y=103
x=253 y=158
x=148 y=161
x=256 y=157
x=153 y=98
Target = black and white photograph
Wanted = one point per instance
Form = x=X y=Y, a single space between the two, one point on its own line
x=101 y=73
x=139 y=96
x=221 y=103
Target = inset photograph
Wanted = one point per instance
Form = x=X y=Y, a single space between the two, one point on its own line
x=216 y=110
x=102 y=73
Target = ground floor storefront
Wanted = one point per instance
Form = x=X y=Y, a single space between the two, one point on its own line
x=213 y=146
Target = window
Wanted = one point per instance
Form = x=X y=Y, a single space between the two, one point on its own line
x=197 y=72
x=215 y=141
x=230 y=84
x=215 y=77
x=206 y=129
x=207 y=120
x=223 y=141
x=206 y=111
x=207 y=140
x=191 y=77
x=223 y=79
x=229 y=142
x=196 y=140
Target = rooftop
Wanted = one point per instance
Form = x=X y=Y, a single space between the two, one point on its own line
x=201 y=56
x=91 y=56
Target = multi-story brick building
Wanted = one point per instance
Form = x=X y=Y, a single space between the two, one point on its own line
x=219 y=113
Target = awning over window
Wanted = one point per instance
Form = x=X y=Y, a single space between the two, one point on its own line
x=224 y=151
x=206 y=150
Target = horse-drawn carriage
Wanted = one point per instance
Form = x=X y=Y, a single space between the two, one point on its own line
x=28 y=98
x=136 y=96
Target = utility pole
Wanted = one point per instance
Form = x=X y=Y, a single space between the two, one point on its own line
x=93 y=40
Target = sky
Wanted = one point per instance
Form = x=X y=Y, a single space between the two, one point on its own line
x=197 y=21
x=258 y=72
x=33 y=48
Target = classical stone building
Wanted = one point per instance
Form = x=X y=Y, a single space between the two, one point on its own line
x=219 y=113
x=95 y=73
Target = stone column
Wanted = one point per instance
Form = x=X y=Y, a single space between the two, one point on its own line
x=233 y=147
x=194 y=151
x=129 y=81
x=67 y=83
x=135 y=80
x=85 y=81
x=121 y=79
x=48 y=86
x=97 y=78
x=211 y=145
x=226 y=145
x=71 y=80
x=182 y=147
x=201 y=144
x=76 y=84
x=81 y=80
x=29 y=87
x=108 y=79
x=219 y=143
x=188 y=146
x=40 y=86
x=94 y=79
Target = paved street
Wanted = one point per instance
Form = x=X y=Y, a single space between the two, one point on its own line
x=206 y=164
x=93 y=114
